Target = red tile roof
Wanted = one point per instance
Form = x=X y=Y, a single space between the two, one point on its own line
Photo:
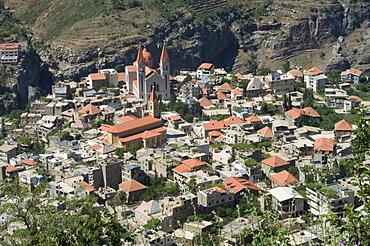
x=297 y=112
x=147 y=56
x=343 y=125
x=164 y=55
x=226 y=87
x=253 y=118
x=95 y=146
x=324 y=144
x=149 y=134
x=215 y=125
x=88 y=187
x=275 y=161
x=214 y=133
x=130 y=125
x=236 y=92
x=352 y=71
x=221 y=96
x=121 y=76
x=139 y=57
x=131 y=68
x=236 y=185
x=208 y=66
x=216 y=188
x=182 y=169
x=356 y=98
x=29 y=162
x=296 y=73
x=153 y=96
x=144 y=135
x=204 y=102
x=174 y=118
x=205 y=91
x=97 y=76
x=194 y=162
x=284 y=178
x=294 y=113
x=271 y=97
x=10 y=168
x=127 y=118
x=310 y=112
x=315 y=71
x=131 y=186
x=233 y=120
x=90 y=110
x=265 y=132
x=239 y=76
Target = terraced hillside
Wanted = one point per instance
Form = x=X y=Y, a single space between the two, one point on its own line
x=77 y=37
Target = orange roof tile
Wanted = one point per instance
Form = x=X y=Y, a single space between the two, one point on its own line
x=29 y=162
x=159 y=129
x=236 y=185
x=296 y=73
x=226 y=87
x=214 y=133
x=232 y=120
x=164 y=55
x=205 y=91
x=294 y=113
x=127 y=118
x=265 y=132
x=131 y=186
x=221 y=96
x=150 y=72
x=356 y=98
x=10 y=168
x=284 y=178
x=239 y=76
x=310 y=112
x=97 y=76
x=90 y=110
x=236 y=92
x=204 y=102
x=153 y=96
x=182 y=169
x=194 y=162
x=324 y=144
x=208 y=66
x=352 y=71
x=126 y=126
x=95 y=146
x=149 y=134
x=315 y=71
x=139 y=57
x=174 y=118
x=253 y=118
x=343 y=125
x=147 y=56
x=271 y=97
x=221 y=138
x=130 y=138
x=275 y=161
x=88 y=187
x=214 y=125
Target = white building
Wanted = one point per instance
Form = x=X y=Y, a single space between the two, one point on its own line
x=315 y=79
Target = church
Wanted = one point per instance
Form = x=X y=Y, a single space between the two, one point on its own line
x=143 y=75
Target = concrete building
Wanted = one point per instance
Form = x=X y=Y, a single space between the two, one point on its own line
x=212 y=198
x=315 y=79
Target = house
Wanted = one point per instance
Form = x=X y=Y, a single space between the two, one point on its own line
x=274 y=164
x=315 y=79
x=177 y=210
x=212 y=198
x=240 y=186
x=133 y=171
x=191 y=89
x=285 y=200
x=333 y=198
x=324 y=148
x=146 y=211
x=83 y=188
x=89 y=112
x=283 y=178
x=342 y=127
x=133 y=189
x=351 y=75
x=265 y=132
x=307 y=113
x=8 y=151
x=205 y=69
x=338 y=99
x=9 y=52
x=280 y=83
x=298 y=75
x=142 y=77
x=226 y=88
x=254 y=88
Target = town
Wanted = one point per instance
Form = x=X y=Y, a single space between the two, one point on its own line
x=179 y=155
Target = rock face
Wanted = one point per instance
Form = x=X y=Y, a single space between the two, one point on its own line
x=32 y=78
x=237 y=48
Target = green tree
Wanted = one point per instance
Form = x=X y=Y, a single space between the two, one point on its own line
x=43 y=224
x=133 y=149
x=119 y=152
x=286 y=66
x=264 y=71
x=192 y=185
x=308 y=98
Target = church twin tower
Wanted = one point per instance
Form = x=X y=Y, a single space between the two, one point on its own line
x=143 y=76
